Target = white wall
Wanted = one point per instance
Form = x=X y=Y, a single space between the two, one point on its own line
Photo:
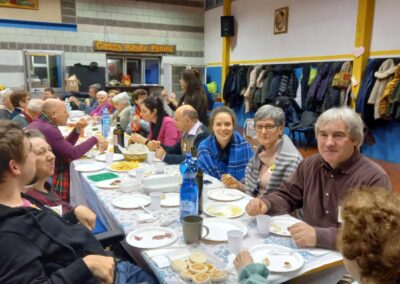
x=212 y=36
x=14 y=78
x=315 y=28
x=385 y=32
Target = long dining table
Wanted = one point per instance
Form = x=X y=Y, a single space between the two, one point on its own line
x=325 y=267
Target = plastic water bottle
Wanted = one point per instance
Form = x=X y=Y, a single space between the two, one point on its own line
x=105 y=122
x=67 y=105
x=189 y=198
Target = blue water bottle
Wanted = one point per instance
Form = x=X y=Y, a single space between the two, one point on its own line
x=189 y=199
x=105 y=122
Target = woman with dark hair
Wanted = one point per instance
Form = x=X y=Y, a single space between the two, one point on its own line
x=162 y=127
x=226 y=151
x=193 y=94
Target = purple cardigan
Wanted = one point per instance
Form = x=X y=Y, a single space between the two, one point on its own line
x=63 y=148
x=99 y=109
x=168 y=134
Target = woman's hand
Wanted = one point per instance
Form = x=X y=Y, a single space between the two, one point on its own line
x=137 y=138
x=230 y=182
x=165 y=96
x=85 y=216
x=102 y=267
x=153 y=145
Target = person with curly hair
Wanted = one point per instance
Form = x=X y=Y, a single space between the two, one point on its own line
x=369 y=238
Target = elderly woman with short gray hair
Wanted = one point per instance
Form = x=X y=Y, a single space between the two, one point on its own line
x=123 y=108
x=6 y=106
x=275 y=159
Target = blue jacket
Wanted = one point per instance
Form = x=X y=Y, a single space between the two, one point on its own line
x=209 y=159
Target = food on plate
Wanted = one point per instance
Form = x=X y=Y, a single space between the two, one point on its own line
x=198 y=257
x=178 y=265
x=198 y=268
x=210 y=267
x=218 y=275
x=266 y=261
x=163 y=236
x=186 y=275
x=137 y=238
x=124 y=166
x=287 y=265
x=115 y=182
x=201 y=278
x=236 y=210
x=275 y=228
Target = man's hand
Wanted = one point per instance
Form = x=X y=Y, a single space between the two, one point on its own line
x=87 y=102
x=102 y=143
x=81 y=124
x=137 y=138
x=74 y=100
x=243 y=259
x=231 y=182
x=85 y=216
x=160 y=153
x=256 y=207
x=102 y=267
x=303 y=234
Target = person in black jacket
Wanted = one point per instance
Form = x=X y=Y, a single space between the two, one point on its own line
x=187 y=122
x=36 y=245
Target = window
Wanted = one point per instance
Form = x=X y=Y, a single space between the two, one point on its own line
x=141 y=70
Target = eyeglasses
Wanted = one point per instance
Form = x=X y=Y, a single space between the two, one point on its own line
x=267 y=127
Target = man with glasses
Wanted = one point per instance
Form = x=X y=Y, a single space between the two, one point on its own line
x=320 y=181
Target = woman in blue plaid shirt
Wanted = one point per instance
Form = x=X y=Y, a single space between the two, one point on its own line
x=225 y=152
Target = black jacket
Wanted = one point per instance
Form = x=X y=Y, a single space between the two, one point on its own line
x=38 y=246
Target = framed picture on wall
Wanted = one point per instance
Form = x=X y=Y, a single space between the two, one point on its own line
x=21 y=4
x=281 y=16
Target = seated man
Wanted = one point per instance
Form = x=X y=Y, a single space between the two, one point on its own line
x=90 y=103
x=49 y=94
x=36 y=245
x=54 y=114
x=19 y=100
x=320 y=181
x=42 y=191
x=187 y=122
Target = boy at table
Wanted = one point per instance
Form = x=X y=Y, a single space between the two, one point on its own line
x=38 y=246
x=320 y=181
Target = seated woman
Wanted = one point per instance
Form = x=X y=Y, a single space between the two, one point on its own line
x=33 y=109
x=42 y=191
x=225 y=151
x=102 y=98
x=162 y=127
x=275 y=159
x=138 y=97
x=123 y=108
x=111 y=94
x=370 y=235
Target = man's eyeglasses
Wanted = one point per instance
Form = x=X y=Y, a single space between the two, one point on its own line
x=267 y=127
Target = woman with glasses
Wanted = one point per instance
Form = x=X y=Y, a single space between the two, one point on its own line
x=162 y=127
x=275 y=159
x=225 y=151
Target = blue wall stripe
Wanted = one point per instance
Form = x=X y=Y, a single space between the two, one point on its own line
x=38 y=25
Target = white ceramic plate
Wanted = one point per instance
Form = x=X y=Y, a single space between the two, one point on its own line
x=214 y=183
x=219 y=228
x=170 y=199
x=151 y=237
x=147 y=172
x=132 y=201
x=277 y=257
x=226 y=194
x=116 y=157
x=121 y=171
x=109 y=184
x=279 y=225
x=224 y=210
x=89 y=167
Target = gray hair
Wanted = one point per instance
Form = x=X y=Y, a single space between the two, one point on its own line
x=35 y=105
x=270 y=112
x=96 y=86
x=122 y=98
x=4 y=95
x=349 y=117
x=102 y=94
x=33 y=133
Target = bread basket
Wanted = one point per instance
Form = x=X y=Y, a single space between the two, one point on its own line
x=135 y=152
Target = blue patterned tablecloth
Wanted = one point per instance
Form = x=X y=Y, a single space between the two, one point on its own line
x=84 y=191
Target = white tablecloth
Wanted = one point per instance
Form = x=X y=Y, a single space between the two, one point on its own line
x=84 y=191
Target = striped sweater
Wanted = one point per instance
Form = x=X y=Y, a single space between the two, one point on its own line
x=287 y=159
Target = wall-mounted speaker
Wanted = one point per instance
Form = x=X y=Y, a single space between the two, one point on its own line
x=227 y=26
